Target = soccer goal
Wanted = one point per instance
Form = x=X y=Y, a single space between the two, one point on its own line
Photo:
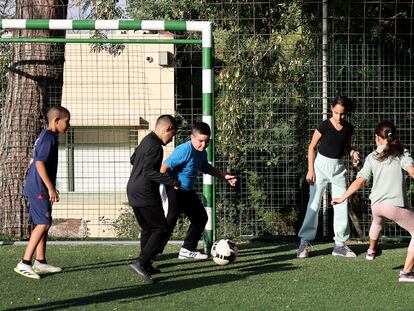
x=115 y=87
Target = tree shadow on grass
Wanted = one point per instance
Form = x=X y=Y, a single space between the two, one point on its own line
x=268 y=260
x=358 y=249
x=247 y=250
x=98 y=265
x=255 y=259
x=144 y=292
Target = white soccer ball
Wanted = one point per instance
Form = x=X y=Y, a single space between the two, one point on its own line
x=224 y=251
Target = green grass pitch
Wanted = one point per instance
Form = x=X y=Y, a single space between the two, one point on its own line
x=265 y=276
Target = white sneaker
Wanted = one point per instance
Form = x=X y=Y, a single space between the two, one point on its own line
x=406 y=277
x=186 y=254
x=343 y=251
x=45 y=268
x=303 y=250
x=26 y=271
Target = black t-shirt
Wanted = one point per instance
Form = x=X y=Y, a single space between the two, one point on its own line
x=333 y=142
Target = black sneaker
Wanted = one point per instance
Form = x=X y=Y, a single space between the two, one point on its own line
x=141 y=271
x=152 y=270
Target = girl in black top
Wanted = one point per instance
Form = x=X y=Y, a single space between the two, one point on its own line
x=334 y=138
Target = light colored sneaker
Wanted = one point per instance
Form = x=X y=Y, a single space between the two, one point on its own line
x=45 y=268
x=303 y=251
x=343 y=251
x=406 y=277
x=371 y=255
x=187 y=254
x=26 y=271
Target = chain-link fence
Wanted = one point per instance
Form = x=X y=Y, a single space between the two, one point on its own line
x=268 y=69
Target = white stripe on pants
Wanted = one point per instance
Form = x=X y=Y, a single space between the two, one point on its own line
x=327 y=171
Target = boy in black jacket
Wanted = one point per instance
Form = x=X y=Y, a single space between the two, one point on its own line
x=144 y=196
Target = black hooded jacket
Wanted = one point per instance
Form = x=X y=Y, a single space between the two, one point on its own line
x=143 y=184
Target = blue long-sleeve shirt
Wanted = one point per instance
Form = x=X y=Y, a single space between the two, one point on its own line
x=185 y=162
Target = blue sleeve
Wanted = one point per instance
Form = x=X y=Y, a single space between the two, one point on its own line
x=43 y=147
x=206 y=167
x=177 y=157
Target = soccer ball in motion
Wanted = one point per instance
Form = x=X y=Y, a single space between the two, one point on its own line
x=224 y=252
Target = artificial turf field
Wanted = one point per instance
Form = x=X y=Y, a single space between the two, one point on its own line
x=265 y=276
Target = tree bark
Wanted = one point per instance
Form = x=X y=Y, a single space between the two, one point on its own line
x=35 y=80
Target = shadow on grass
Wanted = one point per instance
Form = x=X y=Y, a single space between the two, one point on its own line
x=143 y=292
x=266 y=260
x=255 y=259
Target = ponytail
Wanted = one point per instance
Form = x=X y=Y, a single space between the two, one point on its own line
x=394 y=148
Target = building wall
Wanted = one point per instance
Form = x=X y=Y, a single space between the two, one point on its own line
x=114 y=102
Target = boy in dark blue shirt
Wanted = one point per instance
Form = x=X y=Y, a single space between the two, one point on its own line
x=39 y=188
x=184 y=163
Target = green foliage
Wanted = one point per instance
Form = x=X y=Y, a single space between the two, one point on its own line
x=126 y=226
x=103 y=9
x=258 y=66
x=166 y=9
x=279 y=223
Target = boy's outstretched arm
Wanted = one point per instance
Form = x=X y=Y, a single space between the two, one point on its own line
x=354 y=187
x=232 y=180
x=41 y=169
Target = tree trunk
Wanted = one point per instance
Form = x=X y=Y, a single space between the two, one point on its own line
x=35 y=80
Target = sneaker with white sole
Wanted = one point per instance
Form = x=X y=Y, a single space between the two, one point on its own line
x=45 y=268
x=372 y=254
x=303 y=251
x=406 y=277
x=187 y=254
x=26 y=270
x=343 y=251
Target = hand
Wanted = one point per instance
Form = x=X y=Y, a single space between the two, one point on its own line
x=356 y=158
x=310 y=177
x=53 y=195
x=177 y=185
x=336 y=201
x=232 y=180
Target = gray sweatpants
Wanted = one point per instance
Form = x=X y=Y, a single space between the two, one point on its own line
x=327 y=171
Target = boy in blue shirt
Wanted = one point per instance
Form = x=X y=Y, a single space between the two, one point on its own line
x=184 y=163
x=40 y=190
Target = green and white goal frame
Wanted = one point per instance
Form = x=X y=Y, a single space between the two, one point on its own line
x=203 y=27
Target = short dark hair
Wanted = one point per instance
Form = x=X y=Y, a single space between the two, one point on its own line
x=167 y=119
x=57 y=112
x=201 y=128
